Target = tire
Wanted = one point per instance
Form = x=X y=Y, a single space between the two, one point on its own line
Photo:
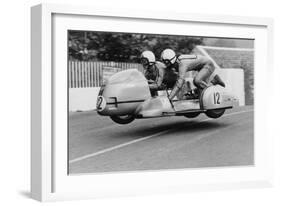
x=126 y=119
x=215 y=113
x=192 y=114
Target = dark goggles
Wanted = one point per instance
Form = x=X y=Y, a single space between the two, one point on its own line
x=145 y=62
x=168 y=61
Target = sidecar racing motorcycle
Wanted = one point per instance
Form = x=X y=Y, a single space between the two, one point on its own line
x=126 y=97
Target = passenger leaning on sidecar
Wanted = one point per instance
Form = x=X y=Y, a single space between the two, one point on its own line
x=158 y=76
x=185 y=63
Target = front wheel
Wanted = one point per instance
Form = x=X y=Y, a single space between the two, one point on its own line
x=215 y=113
x=126 y=119
x=192 y=114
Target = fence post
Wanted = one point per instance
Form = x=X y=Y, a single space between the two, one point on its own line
x=77 y=74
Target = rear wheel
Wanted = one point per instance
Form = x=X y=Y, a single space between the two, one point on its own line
x=126 y=119
x=215 y=113
x=192 y=114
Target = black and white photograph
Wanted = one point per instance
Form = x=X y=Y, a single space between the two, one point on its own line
x=146 y=102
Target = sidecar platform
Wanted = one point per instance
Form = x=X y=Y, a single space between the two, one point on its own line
x=182 y=105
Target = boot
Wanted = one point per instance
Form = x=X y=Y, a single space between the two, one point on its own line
x=217 y=80
x=193 y=94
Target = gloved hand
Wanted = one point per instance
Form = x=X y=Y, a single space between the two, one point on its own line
x=162 y=87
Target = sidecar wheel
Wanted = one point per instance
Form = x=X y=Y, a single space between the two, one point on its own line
x=215 y=113
x=192 y=115
x=126 y=119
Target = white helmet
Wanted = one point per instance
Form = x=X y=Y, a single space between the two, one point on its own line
x=168 y=56
x=147 y=58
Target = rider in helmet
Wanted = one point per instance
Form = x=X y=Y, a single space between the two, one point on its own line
x=184 y=63
x=148 y=62
x=154 y=72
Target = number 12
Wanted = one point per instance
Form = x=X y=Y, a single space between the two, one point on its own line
x=217 y=98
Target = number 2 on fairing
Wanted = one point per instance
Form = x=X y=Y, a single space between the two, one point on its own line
x=217 y=98
x=99 y=102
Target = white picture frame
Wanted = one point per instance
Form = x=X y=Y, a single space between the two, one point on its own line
x=49 y=179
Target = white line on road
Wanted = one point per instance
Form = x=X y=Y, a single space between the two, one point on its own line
x=142 y=139
x=117 y=146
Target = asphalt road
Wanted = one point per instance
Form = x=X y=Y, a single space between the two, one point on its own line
x=96 y=144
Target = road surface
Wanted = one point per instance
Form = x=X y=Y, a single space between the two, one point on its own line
x=97 y=144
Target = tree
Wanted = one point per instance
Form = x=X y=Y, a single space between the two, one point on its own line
x=124 y=47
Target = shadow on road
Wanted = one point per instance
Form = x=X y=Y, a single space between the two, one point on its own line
x=175 y=128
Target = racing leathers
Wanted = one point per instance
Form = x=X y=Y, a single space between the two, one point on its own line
x=159 y=77
x=203 y=65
